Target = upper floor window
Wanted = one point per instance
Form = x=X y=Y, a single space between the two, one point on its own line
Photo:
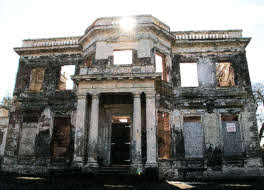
x=90 y=60
x=122 y=57
x=189 y=76
x=65 y=82
x=160 y=63
x=36 y=79
x=225 y=74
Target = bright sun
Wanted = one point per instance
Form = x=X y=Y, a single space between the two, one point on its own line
x=127 y=24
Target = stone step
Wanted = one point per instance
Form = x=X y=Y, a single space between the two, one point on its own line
x=114 y=170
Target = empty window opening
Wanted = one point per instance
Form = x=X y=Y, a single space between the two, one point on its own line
x=65 y=82
x=189 y=77
x=122 y=57
x=160 y=63
x=225 y=74
x=36 y=79
x=164 y=136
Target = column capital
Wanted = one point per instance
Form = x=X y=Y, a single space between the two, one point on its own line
x=150 y=95
x=136 y=94
x=81 y=95
x=95 y=95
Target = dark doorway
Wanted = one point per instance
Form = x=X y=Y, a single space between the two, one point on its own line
x=120 y=143
x=61 y=142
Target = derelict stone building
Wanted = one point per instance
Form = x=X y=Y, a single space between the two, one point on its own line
x=179 y=103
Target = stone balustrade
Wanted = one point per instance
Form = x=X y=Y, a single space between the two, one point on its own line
x=112 y=70
x=48 y=42
x=213 y=34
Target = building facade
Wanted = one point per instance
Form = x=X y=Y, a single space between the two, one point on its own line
x=178 y=103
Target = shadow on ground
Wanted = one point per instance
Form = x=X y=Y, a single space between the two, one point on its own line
x=118 y=183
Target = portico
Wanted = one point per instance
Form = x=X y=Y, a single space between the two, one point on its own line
x=90 y=127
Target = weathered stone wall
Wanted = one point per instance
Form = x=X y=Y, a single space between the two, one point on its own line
x=36 y=106
x=28 y=139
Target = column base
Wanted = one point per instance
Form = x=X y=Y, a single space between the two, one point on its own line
x=151 y=165
x=77 y=164
x=90 y=167
x=136 y=168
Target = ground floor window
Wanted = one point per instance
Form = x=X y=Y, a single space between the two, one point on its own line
x=193 y=137
x=231 y=135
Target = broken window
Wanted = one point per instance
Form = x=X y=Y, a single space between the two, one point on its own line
x=231 y=135
x=160 y=63
x=164 y=137
x=65 y=82
x=193 y=137
x=61 y=142
x=225 y=74
x=36 y=79
x=122 y=57
x=189 y=77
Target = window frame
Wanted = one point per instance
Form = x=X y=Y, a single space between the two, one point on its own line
x=73 y=85
x=164 y=73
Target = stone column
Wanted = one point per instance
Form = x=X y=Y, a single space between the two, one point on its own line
x=151 y=131
x=136 y=160
x=93 y=133
x=80 y=124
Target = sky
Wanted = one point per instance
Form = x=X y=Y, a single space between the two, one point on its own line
x=29 y=19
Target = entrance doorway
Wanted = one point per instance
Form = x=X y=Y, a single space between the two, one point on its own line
x=120 y=141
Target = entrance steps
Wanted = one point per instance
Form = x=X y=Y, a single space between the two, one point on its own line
x=114 y=170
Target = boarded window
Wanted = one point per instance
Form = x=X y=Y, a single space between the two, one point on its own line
x=231 y=135
x=122 y=57
x=189 y=77
x=193 y=137
x=65 y=82
x=37 y=77
x=225 y=74
x=164 y=136
x=61 y=137
x=160 y=63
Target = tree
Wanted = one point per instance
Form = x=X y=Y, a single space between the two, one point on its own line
x=6 y=101
x=258 y=95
